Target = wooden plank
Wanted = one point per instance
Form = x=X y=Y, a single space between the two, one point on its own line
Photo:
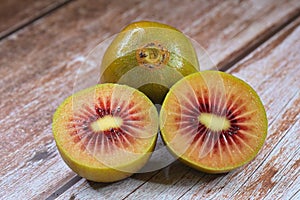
x=15 y=14
x=286 y=180
x=272 y=70
x=265 y=170
x=296 y=196
x=38 y=66
x=243 y=25
x=107 y=191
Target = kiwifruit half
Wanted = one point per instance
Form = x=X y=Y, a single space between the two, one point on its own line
x=213 y=121
x=106 y=132
x=149 y=56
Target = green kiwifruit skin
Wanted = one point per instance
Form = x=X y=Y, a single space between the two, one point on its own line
x=153 y=84
x=120 y=58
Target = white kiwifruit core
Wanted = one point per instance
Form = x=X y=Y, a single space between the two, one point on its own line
x=214 y=122
x=106 y=123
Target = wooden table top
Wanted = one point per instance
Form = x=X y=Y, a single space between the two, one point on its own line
x=43 y=44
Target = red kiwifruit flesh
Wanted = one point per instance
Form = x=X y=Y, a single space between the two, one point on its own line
x=106 y=132
x=213 y=121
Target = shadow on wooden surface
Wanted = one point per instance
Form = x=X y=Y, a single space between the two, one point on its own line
x=97 y=186
x=171 y=174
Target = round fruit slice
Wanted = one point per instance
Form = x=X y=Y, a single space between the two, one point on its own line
x=107 y=132
x=149 y=56
x=213 y=121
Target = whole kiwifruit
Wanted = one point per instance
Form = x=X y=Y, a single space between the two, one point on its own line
x=149 y=56
x=107 y=132
x=213 y=121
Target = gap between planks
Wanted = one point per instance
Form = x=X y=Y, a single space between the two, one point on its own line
x=223 y=67
x=34 y=19
x=262 y=40
x=274 y=148
x=64 y=188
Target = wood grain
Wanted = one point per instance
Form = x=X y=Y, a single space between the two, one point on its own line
x=276 y=83
x=273 y=70
x=15 y=14
x=39 y=65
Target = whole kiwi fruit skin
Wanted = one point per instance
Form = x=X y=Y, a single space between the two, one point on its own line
x=128 y=58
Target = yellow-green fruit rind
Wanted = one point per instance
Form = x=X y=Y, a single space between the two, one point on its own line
x=80 y=160
x=154 y=83
x=263 y=123
x=121 y=65
x=147 y=24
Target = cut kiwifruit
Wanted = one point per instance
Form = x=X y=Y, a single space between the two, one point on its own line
x=106 y=132
x=149 y=56
x=213 y=121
